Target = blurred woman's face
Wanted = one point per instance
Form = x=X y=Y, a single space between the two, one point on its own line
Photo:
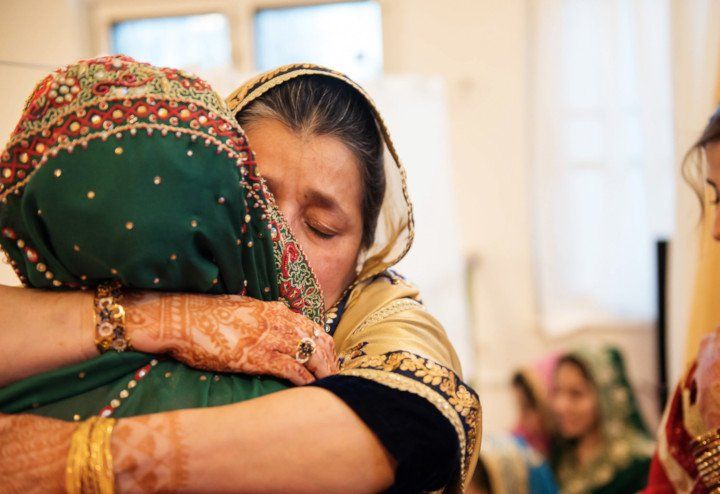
x=712 y=152
x=317 y=185
x=574 y=402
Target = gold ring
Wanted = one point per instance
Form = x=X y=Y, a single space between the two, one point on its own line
x=305 y=350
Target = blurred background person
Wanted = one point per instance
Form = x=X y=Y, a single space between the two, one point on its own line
x=507 y=465
x=603 y=445
x=531 y=385
x=516 y=462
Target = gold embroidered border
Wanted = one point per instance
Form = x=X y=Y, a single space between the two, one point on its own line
x=72 y=144
x=429 y=380
x=161 y=83
x=395 y=307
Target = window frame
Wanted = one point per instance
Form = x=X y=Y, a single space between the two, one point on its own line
x=103 y=14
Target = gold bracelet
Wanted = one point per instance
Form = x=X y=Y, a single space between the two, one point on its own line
x=110 y=318
x=77 y=456
x=89 y=466
x=101 y=456
x=706 y=451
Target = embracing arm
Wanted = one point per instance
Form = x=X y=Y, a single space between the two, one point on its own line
x=42 y=330
x=298 y=440
x=294 y=441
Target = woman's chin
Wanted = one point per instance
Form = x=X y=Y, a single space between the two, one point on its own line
x=571 y=433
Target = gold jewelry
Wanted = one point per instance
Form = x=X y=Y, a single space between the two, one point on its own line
x=706 y=451
x=305 y=350
x=89 y=465
x=110 y=318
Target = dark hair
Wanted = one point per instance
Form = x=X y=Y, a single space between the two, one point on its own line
x=580 y=365
x=520 y=381
x=320 y=105
x=692 y=167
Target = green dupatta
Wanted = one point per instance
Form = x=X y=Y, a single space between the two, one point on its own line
x=622 y=466
x=120 y=170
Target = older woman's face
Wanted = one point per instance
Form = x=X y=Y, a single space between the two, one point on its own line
x=317 y=185
x=712 y=152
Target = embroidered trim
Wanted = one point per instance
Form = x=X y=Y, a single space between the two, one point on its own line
x=394 y=307
x=42 y=148
x=423 y=377
x=296 y=279
x=109 y=410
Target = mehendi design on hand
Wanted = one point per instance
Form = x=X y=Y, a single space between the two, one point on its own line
x=149 y=454
x=230 y=333
x=33 y=453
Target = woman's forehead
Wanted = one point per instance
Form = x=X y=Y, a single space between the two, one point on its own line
x=321 y=168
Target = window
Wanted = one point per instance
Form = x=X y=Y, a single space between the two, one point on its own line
x=345 y=36
x=603 y=158
x=191 y=41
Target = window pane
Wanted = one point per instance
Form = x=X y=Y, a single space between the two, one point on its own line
x=344 y=36
x=185 y=41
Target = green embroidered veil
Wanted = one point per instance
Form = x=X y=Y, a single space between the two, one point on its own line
x=119 y=170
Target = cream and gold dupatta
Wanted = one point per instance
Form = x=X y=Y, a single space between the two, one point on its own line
x=385 y=334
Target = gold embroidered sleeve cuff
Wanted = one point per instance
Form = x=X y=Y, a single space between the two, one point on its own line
x=439 y=385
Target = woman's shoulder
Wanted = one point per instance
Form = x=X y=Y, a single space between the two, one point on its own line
x=386 y=314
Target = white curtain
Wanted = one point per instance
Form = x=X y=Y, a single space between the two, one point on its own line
x=601 y=158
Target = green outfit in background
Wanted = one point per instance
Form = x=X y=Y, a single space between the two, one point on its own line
x=623 y=464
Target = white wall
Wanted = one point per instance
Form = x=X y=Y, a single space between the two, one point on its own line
x=481 y=48
x=47 y=33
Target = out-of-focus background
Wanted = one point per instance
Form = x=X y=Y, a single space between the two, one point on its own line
x=543 y=138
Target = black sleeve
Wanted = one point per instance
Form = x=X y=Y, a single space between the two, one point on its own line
x=415 y=433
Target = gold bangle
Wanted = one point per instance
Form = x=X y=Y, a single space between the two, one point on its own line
x=101 y=456
x=706 y=451
x=110 y=318
x=89 y=466
x=78 y=456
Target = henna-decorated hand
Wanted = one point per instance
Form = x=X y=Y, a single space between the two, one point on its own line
x=707 y=375
x=228 y=333
x=33 y=453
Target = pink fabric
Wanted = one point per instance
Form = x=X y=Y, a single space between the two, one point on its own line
x=545 y=368
x=542 y=371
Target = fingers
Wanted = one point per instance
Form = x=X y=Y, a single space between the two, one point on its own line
x=290 y=369
x=324 y=362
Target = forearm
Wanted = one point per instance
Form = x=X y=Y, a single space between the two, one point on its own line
x=42 y=330
x=300 y=440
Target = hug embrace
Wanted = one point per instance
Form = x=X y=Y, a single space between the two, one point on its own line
x=209 y=304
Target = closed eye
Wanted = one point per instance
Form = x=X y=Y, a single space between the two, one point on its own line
x=319 y=233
